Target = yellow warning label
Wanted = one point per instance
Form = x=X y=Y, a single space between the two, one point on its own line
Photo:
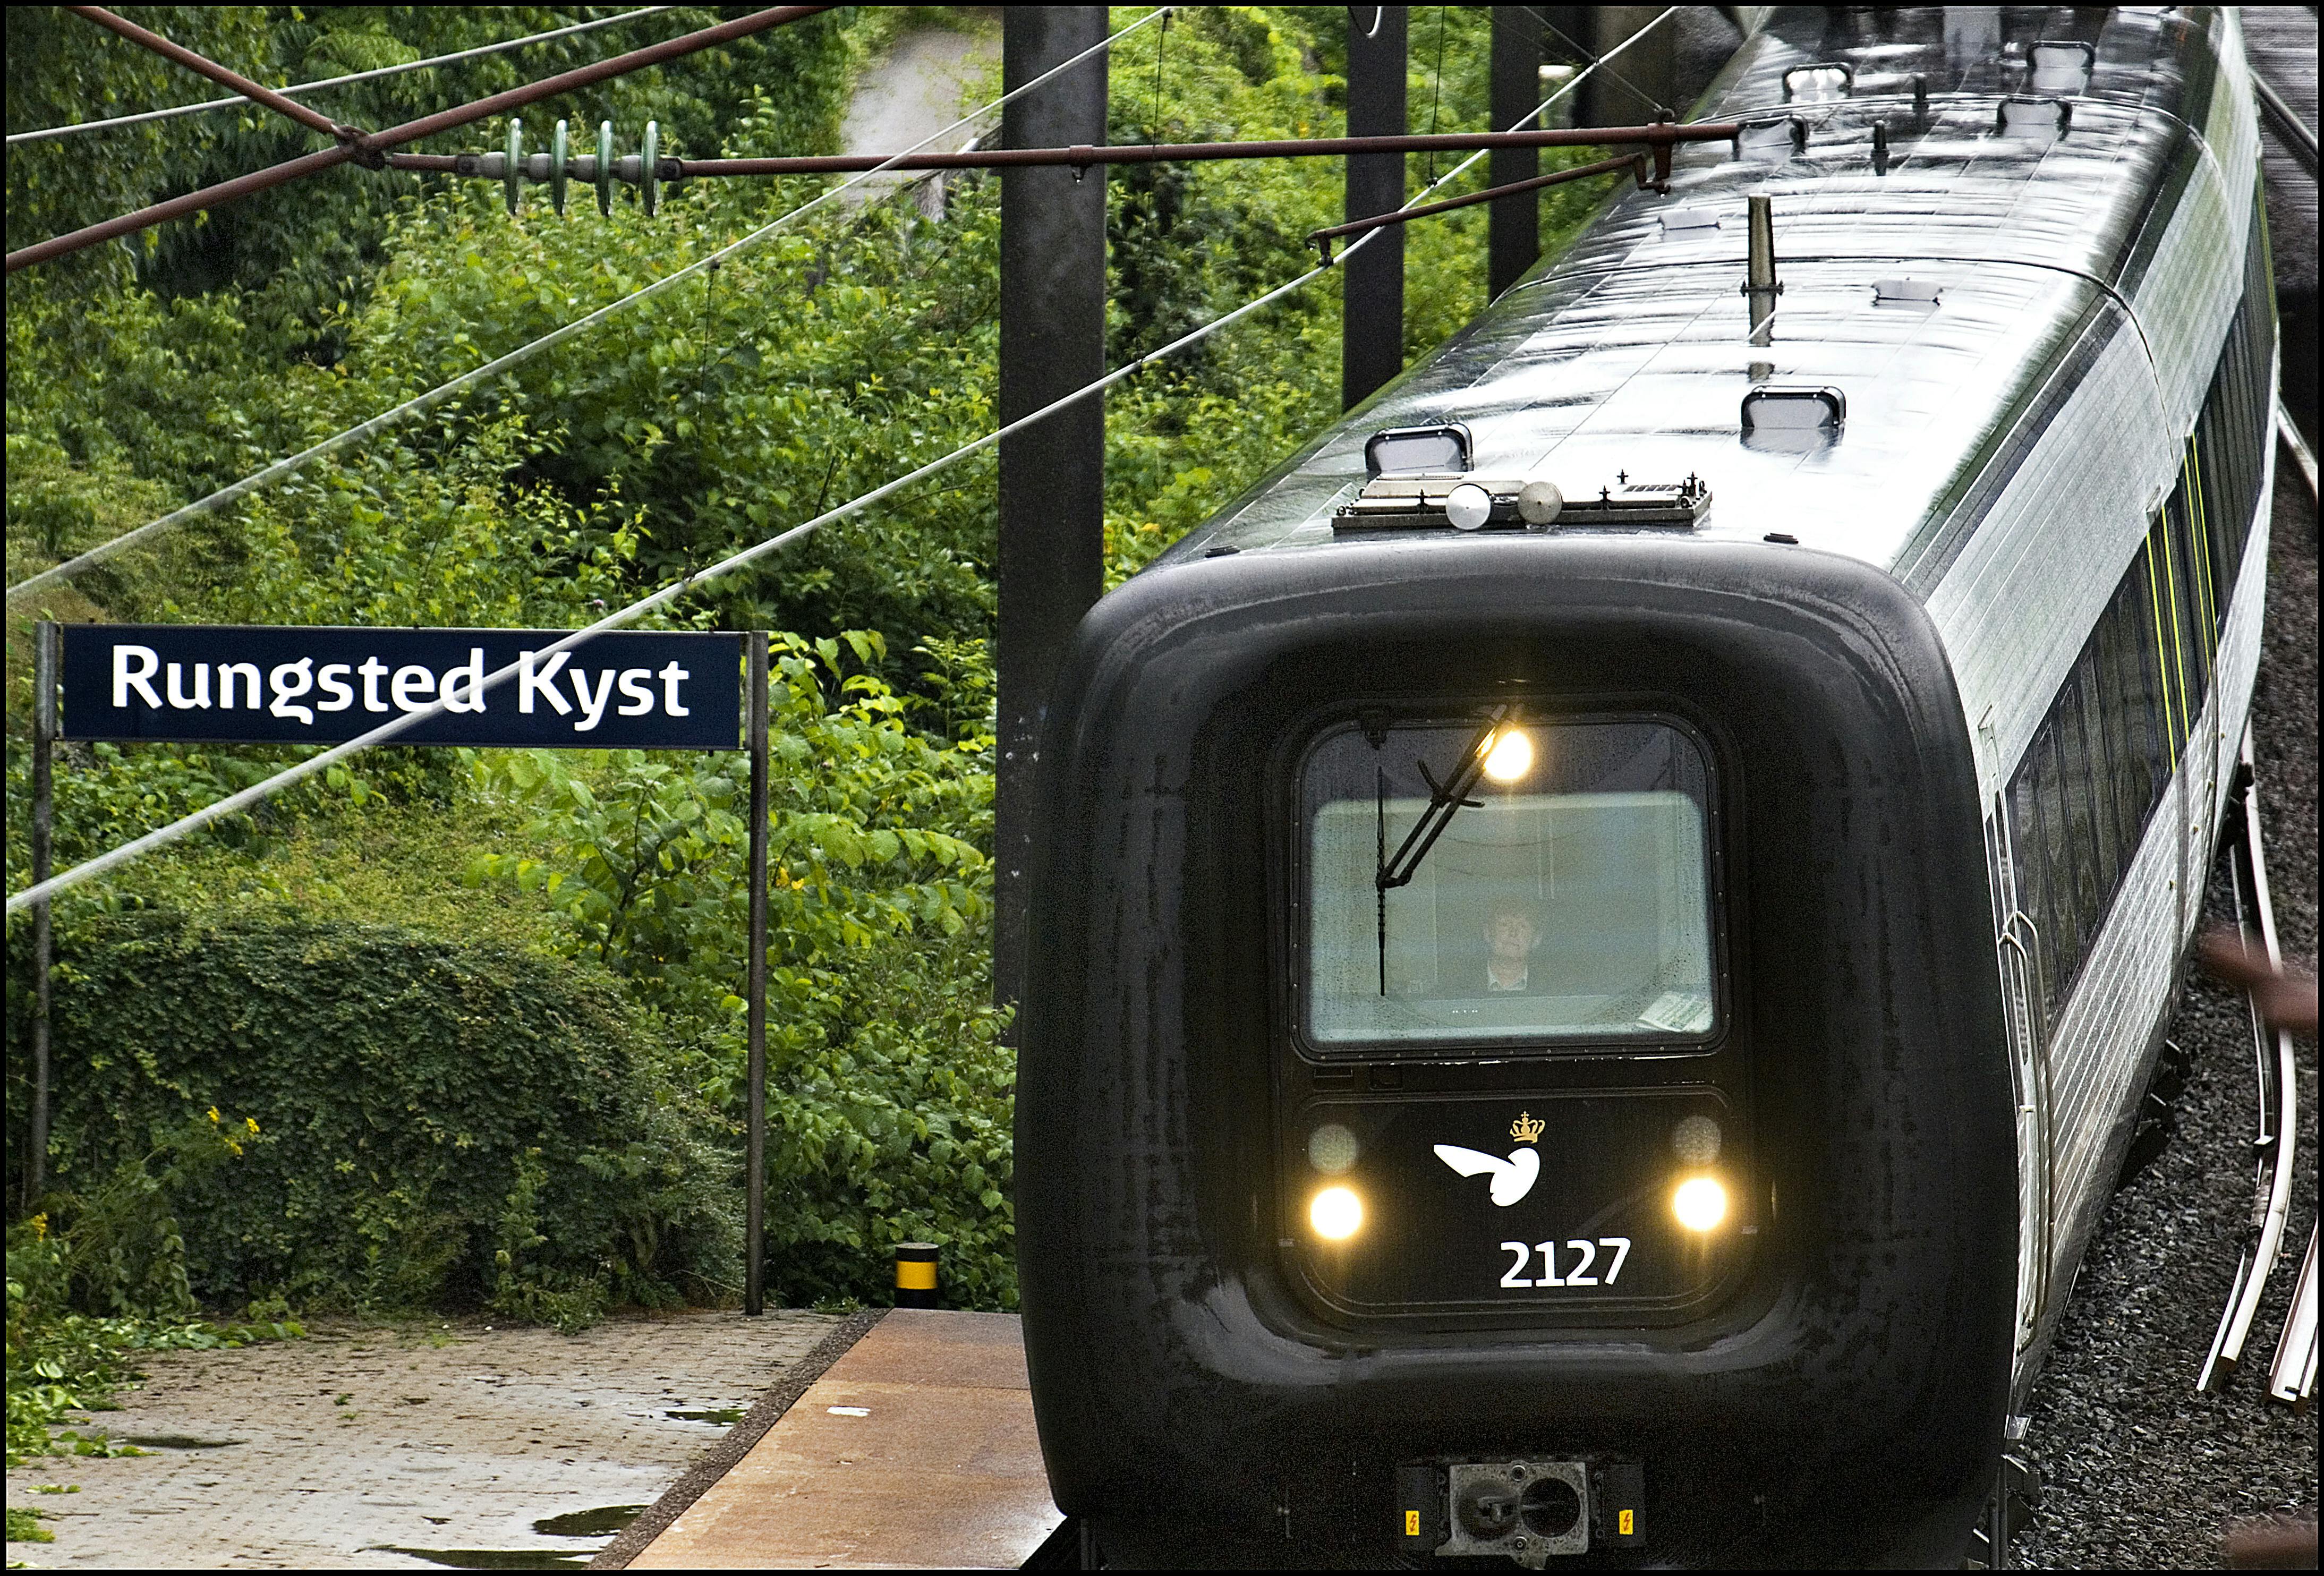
x=1627 y=1524
x=915 y=1276
x=1412 y=1524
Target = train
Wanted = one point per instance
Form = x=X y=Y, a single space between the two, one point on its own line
x=1600 y=935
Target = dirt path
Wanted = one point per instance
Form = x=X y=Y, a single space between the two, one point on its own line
x=910 y=93
x=409 y=1446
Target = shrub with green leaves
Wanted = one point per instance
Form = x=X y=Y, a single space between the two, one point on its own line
x=402 y=1089
x=559 y=1132
x=890 y=1092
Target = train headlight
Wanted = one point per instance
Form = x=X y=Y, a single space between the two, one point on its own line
x=1511 y=756
x=1336 y=1213
x=1468 y=506
x=1700 y=1203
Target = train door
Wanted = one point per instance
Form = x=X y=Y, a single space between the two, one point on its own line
x=2018 y=949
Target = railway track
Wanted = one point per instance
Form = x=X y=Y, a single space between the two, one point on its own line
x=2140 y=1469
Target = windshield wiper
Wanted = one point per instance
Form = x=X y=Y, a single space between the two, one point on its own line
x=1446 y=800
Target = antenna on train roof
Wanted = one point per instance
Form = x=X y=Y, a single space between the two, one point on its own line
x=1759 y=281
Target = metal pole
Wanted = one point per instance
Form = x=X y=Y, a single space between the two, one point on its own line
x=1646 y=81
x=1053 y=475
x=44 y=734
x=1514 y=236
x=754 y=1276
x=1760 y=285
x=1371 y=299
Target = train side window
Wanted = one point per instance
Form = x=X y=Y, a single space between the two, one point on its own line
x=2141 y=677
x=2127 y=724
x=2225 y=431
x=2098 y=732
x=2028 y=856
x=2202 y=503
x=2076 y=779
x=2176 y=689
x=2186 y=584
x=2155 y=632
x=2061 y=926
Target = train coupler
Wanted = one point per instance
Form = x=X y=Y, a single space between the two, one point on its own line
x=1529 y=1511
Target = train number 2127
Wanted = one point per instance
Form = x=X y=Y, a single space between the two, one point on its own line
x=1576 y=1275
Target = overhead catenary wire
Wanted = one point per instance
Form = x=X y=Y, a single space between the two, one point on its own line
x=113 y=859
x=114 y=123
x=1575 y=44
x=293 y=464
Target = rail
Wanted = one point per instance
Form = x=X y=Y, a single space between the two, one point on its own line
x=2279 y=1098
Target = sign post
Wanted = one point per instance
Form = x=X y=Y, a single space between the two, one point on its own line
x=45 y=735
x=755 y=1280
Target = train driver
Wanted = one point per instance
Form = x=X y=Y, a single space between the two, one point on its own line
x=1511 y=935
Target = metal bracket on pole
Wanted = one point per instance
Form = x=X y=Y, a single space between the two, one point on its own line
x=44 y=735
x=754 y=1278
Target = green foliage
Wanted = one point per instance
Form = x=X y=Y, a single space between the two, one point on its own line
x=116 y=1244
x=889 y=1092
x=401 y=1084
x=115 y=1247
x=293 y=253
x=523 y=1090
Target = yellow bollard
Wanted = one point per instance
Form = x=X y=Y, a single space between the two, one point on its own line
x=916 y=1275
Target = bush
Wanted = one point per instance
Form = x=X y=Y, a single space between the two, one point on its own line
x=436 y=1122
x=888 y=1091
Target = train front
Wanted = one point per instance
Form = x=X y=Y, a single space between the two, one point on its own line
x=1511 y=1070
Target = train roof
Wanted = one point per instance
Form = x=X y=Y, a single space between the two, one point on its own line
x=2032 y=201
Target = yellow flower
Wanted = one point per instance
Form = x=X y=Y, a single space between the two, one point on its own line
x=251 y=1122
x=214 y=1114
x=41 y=1225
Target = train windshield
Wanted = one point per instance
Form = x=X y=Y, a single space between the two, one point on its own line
x=1462 y=890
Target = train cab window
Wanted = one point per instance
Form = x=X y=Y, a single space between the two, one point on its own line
x=1561 y=894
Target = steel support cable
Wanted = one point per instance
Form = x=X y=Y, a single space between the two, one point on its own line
x=386 y=732
x=291 y=463
x=114 y=123
x=372 y=147
x=256 y=92
x=1640 y=93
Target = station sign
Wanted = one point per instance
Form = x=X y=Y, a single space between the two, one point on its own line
x=286 y=685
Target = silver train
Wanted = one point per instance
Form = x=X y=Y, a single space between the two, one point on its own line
x=1903 y=592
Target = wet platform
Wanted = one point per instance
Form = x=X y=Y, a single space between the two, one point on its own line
x=913 y=1447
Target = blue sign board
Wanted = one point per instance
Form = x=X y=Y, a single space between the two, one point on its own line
x=273 y=685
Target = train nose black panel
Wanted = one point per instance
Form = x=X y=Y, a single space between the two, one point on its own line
x=1216 y=1381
